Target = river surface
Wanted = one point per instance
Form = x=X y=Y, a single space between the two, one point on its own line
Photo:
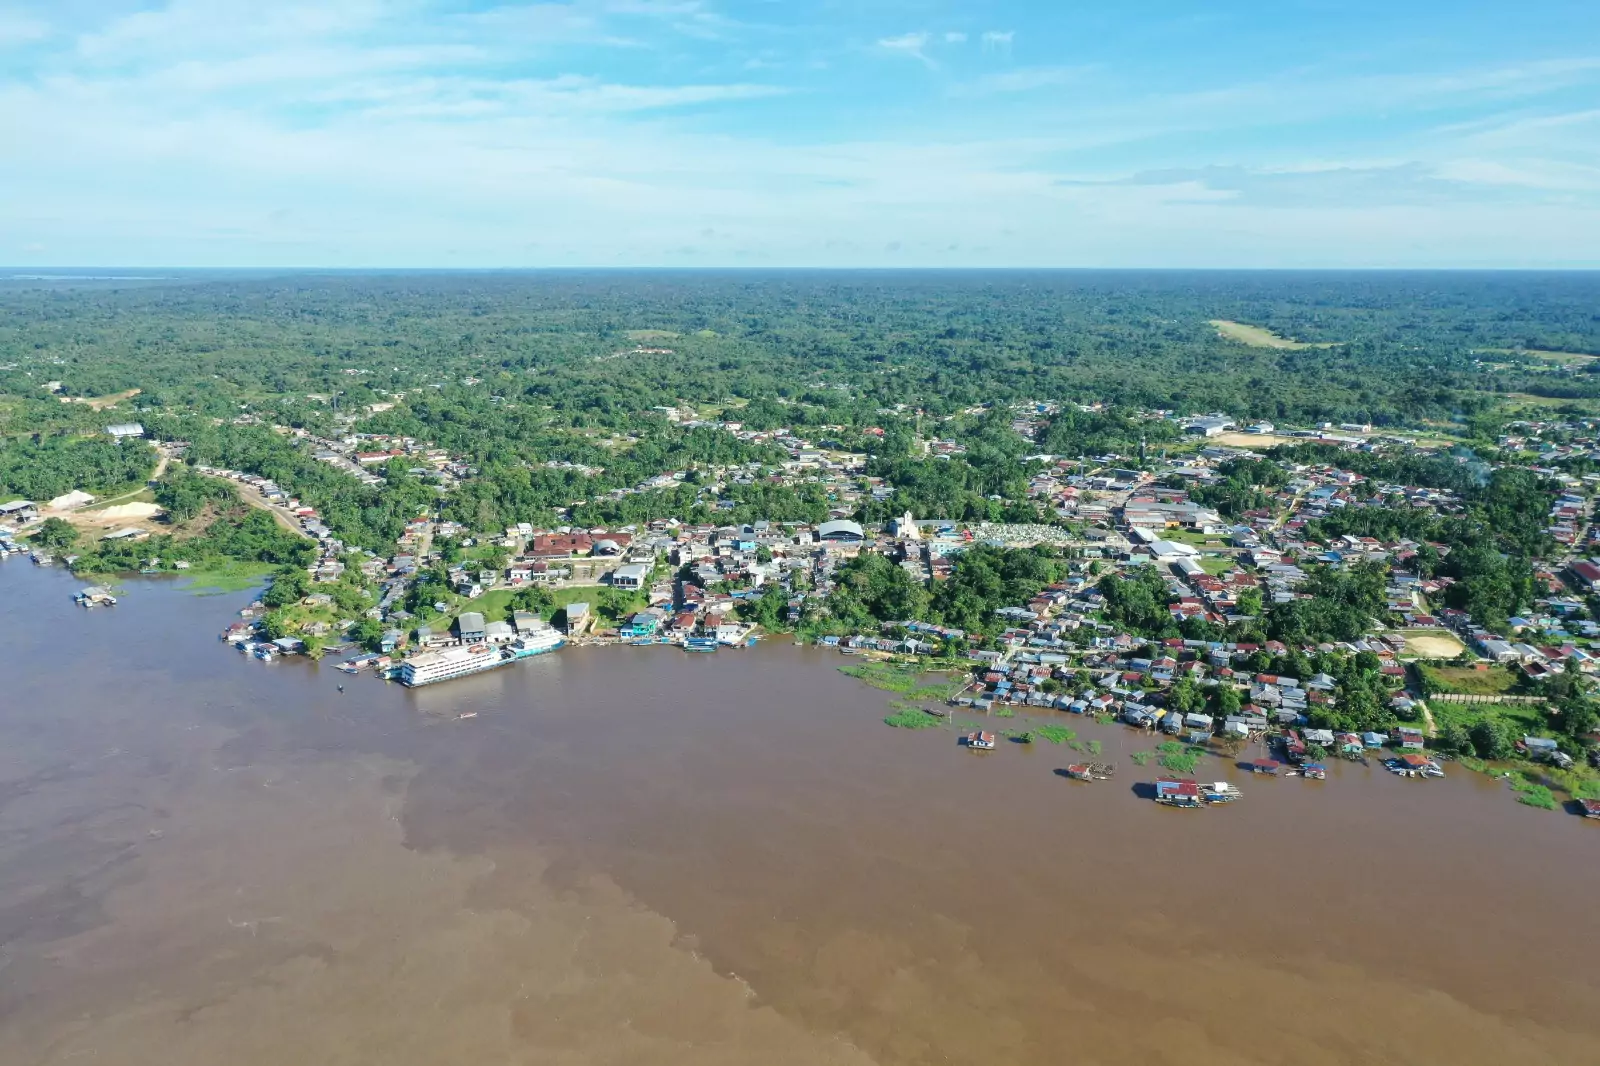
x=641 y=856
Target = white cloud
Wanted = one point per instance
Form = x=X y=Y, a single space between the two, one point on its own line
x=998 y=40
x=955 y=37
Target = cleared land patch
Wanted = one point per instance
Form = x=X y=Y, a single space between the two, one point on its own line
x=1494 y=681
x=1257 y=337
x=100 y=403
x=1249 y=440
x=1567 y=358
x=652 y=335
x=1578 y=403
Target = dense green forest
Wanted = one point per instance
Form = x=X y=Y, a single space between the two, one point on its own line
x=564 y=391
x=807 y=348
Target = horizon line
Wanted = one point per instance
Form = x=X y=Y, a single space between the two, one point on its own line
x=27 y=272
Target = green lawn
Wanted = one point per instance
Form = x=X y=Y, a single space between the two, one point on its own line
x=1189 y=536
x=1217 y=564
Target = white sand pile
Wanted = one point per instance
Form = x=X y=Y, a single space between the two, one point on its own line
x=129 y=510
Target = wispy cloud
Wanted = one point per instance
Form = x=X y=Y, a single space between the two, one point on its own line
x=1021 y=80
x=662 y=131
x=19 y=27
x=909 y=44
x=998 y=40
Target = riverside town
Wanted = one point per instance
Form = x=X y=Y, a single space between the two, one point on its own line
x=1303 y=592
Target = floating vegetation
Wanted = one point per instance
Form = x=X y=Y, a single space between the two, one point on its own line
x=1177 y=758
x=907 y=681
x=1142 y=757
x=911 y=718
x=1004 y=712
x=1533 y=795
x=1055 y=734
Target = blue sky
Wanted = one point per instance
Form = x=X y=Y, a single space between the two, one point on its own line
x=465 y=133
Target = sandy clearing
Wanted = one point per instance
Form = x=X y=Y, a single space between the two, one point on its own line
x=1433 y=645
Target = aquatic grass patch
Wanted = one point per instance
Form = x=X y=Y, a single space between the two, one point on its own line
x=1140 y=758
x=1055 y=734
x=1533 y=794
x=911 y=718
x=889 y=677
x=226 y=577
x=1177 y=758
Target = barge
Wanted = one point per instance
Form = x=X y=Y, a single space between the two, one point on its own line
x=447 y=664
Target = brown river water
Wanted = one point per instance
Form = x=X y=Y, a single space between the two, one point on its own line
x=641 y=856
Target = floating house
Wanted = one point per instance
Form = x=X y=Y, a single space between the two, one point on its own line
x=1177 y=792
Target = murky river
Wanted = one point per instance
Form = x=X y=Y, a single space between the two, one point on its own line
x=640 y=856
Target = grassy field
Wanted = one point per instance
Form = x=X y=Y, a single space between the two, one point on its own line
x=1216 y=564
x=1527 y=399
x=1186 y=536
x=1525 y=718
x=1564 y=358
x=1256 y=337
x=1495 y=681
x=652 y=335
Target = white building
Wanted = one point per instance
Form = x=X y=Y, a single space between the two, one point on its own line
x=632 y=576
